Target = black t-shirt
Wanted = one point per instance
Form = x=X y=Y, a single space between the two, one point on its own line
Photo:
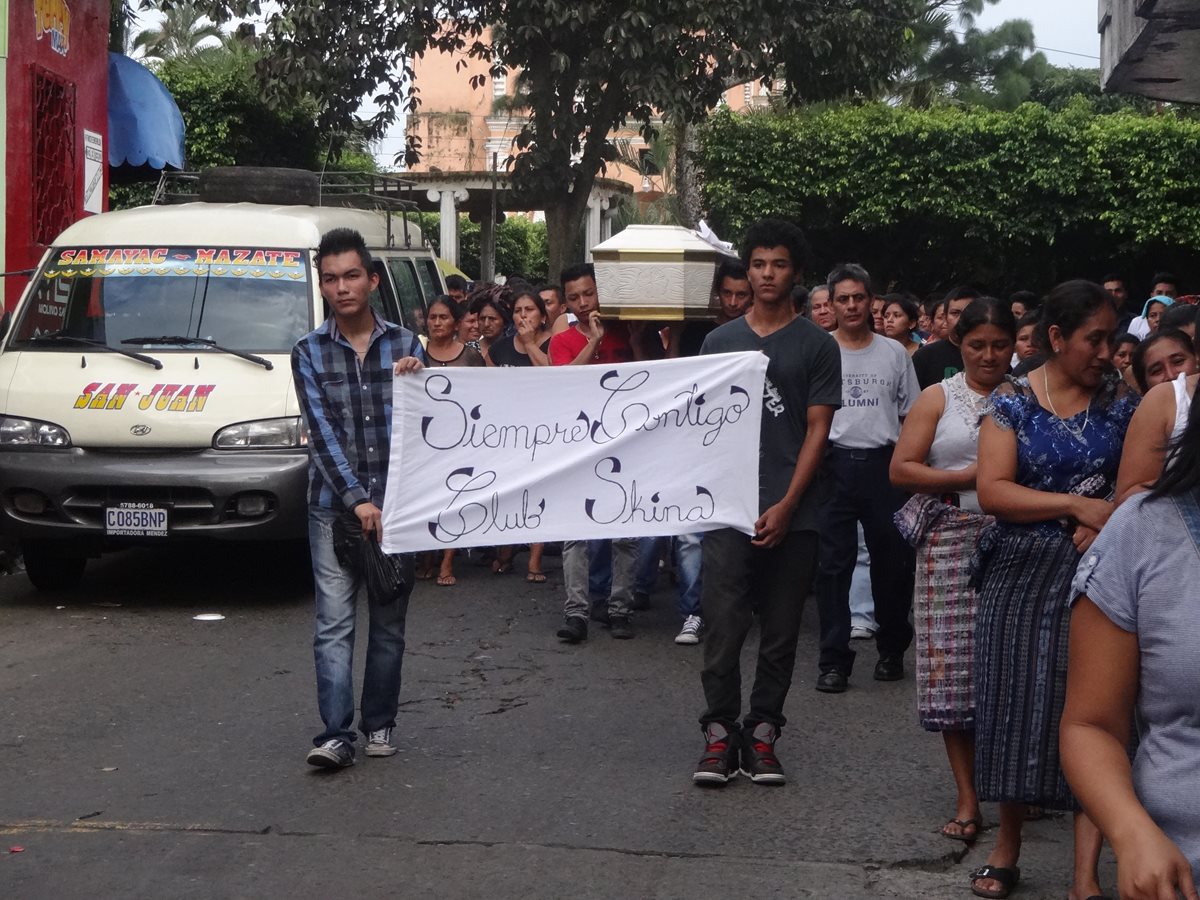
x=504 y=353
x=804 y=369
x=936 y=362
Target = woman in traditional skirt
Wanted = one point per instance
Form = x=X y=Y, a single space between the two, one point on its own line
x=935 y=459
x=1048 y=456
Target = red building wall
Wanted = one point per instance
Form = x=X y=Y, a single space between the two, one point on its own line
x=57 y=89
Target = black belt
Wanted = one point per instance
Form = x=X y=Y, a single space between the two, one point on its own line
x=862 y=453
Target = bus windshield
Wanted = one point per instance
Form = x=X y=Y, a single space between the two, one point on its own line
x=248 y=299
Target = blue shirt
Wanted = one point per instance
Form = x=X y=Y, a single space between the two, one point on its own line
x=347 y=409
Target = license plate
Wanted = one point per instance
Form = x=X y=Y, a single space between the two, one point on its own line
x=137 y=520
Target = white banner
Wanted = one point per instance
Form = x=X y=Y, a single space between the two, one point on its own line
x=514 y=456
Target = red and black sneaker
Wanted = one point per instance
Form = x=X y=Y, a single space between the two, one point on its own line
x=759 y=762
x=720 y=760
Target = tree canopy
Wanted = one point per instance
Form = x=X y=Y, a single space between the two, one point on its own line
x=927 y=198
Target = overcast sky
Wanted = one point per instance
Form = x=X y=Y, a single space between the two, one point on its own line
x=1060 y=25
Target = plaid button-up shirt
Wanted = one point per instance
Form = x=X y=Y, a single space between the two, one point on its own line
x=347 y=408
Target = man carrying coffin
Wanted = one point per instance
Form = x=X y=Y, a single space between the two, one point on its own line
x=591 y=340
x=770 y=572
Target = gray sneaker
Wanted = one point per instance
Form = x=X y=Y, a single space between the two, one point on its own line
x=333 y=754
x=379 y=743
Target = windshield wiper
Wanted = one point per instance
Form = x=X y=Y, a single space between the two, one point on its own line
x=182 y=340
x=57 y=337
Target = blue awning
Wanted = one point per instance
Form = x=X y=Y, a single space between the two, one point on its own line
x=145 y=128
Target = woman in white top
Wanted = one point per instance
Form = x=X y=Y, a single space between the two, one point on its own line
x=935 y=458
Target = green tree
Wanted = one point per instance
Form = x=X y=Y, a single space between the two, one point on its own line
x=181 y=34
x=928 y=198
x=951 y=59
x=227 y=119
x=587 y=68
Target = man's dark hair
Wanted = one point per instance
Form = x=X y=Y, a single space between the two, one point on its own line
x=800 y=301
x=852 y=272
x=574 y=273
x=1028 y=299
x=1177 y=316
x=732 y=268
x=344 y=240
x=1164 y=277
x=456 y=283
x=1113 y=276
x=777 y=233
x=547 y=286
x=959 y=292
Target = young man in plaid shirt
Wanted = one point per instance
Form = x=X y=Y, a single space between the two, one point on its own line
x=343 y=375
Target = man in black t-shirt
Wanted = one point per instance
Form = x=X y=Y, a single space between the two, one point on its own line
x=940 y=360
x=767 y=574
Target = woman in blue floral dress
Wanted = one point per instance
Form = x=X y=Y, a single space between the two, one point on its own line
x=1049 y=448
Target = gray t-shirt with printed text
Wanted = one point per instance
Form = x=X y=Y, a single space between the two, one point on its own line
x=879 y=386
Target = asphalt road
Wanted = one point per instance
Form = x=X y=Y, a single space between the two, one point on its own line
x=146 y=754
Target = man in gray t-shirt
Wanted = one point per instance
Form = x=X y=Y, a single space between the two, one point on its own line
x=879 y=387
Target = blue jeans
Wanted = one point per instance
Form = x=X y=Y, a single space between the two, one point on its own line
x=336 y=592
x=688 y=556
x=862 y=602
x=645 y=576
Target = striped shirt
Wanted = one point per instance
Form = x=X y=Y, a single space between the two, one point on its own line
x=347 y=409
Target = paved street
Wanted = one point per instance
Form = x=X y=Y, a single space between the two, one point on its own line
x=146 y=754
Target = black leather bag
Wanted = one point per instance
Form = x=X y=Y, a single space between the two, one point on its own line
x=388 y=576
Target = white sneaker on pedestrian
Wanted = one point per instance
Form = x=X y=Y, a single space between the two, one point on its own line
x=690 y=633
x=379 y=743
x=861 y=633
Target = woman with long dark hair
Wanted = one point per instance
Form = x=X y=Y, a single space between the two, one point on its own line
x=900 y=316
x=1135 y=657
x=444 y=319
x=530 y=344
x=1048 y=455
x=935 y=459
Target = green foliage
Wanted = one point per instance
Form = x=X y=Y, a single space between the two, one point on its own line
x=932 y=197
x=181 y=33
x=521 y=245
x=587 y=68
x=229 y=121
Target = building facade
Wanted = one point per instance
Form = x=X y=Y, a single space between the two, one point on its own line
x=53 y=125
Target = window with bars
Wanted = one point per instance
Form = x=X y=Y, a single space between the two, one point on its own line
x=53 y=155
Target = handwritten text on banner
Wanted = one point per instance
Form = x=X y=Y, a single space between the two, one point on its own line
x=512 y=456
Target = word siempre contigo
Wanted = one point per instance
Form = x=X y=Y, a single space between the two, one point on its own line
x=623 y=412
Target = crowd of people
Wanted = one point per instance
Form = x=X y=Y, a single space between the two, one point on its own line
x=1010 y=483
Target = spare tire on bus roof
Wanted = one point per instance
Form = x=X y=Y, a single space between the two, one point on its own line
x=260 y=184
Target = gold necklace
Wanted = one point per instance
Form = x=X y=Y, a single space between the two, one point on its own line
x=1077 y=433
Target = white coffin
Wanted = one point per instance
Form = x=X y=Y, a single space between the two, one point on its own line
x=658 y=273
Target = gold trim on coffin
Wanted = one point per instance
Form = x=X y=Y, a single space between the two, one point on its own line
x=661 y=314
x=651 y=256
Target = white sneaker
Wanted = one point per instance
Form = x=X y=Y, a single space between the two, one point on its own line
x=379 y=743
x=690 y=633
x=861 y=633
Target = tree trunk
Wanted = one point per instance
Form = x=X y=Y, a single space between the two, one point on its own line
x=687 y=188
x=564 y=239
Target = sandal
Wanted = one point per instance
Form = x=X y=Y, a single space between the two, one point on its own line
x=446 y=581
x=536 y=577
x=961 y=834
x=502 y=566
x=1008 y=879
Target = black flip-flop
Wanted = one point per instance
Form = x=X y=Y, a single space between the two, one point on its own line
x=964 y=824
x=1008 y=879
